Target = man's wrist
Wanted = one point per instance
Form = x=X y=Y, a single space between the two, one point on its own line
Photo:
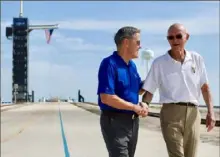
x=210 y=111
x=210 y=108
x=132 y=106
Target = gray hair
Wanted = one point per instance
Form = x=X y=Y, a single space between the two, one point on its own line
x=126 y=32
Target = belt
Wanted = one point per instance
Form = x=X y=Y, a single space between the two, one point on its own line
x=184 y=104
x=119 y=114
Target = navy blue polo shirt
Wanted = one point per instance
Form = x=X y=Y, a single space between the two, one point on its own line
x=115 y=77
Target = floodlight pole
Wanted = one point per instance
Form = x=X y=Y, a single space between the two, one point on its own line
x=147 y=65
x=33 y=27
x=21 y=9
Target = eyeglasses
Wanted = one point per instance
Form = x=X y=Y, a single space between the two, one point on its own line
x=178 y=36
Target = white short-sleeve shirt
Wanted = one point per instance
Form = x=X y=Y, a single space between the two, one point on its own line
x=177 y=82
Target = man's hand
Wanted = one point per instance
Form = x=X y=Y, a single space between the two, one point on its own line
x=145 y=109
x=210 y=121
x=210 y=118
x=138 y=109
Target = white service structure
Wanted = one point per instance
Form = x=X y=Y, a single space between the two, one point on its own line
x=147 y=55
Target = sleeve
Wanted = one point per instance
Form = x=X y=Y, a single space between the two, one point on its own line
x=151 y=83
x=203 y=74
x=106 y=78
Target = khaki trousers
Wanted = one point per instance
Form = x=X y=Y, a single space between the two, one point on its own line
x=180 y=127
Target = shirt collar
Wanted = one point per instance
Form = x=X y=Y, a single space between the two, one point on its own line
x=115 y=53
x=188 y=57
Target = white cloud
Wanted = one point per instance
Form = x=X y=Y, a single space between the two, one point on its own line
x=59 y=43
x=205 y=22
x=47 y=77
x=54 y=73
x=52 y=79
x=196 y=25
x=78 y=44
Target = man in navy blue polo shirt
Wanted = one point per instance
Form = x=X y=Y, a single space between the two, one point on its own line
x=119 y=86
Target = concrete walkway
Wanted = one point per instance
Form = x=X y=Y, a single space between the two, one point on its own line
x=63 y=130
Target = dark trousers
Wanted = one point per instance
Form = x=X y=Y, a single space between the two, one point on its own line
x=120 y=133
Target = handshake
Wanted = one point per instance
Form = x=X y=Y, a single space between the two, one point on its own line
x=141 y=109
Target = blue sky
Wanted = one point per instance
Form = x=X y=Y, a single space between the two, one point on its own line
x=85 y=36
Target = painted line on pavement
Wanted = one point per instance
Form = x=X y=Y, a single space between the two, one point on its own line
x=65 y=146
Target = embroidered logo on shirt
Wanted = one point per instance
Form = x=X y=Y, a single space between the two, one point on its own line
x=193 y=68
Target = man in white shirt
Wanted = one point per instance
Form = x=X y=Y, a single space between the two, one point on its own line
x=180 y=76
